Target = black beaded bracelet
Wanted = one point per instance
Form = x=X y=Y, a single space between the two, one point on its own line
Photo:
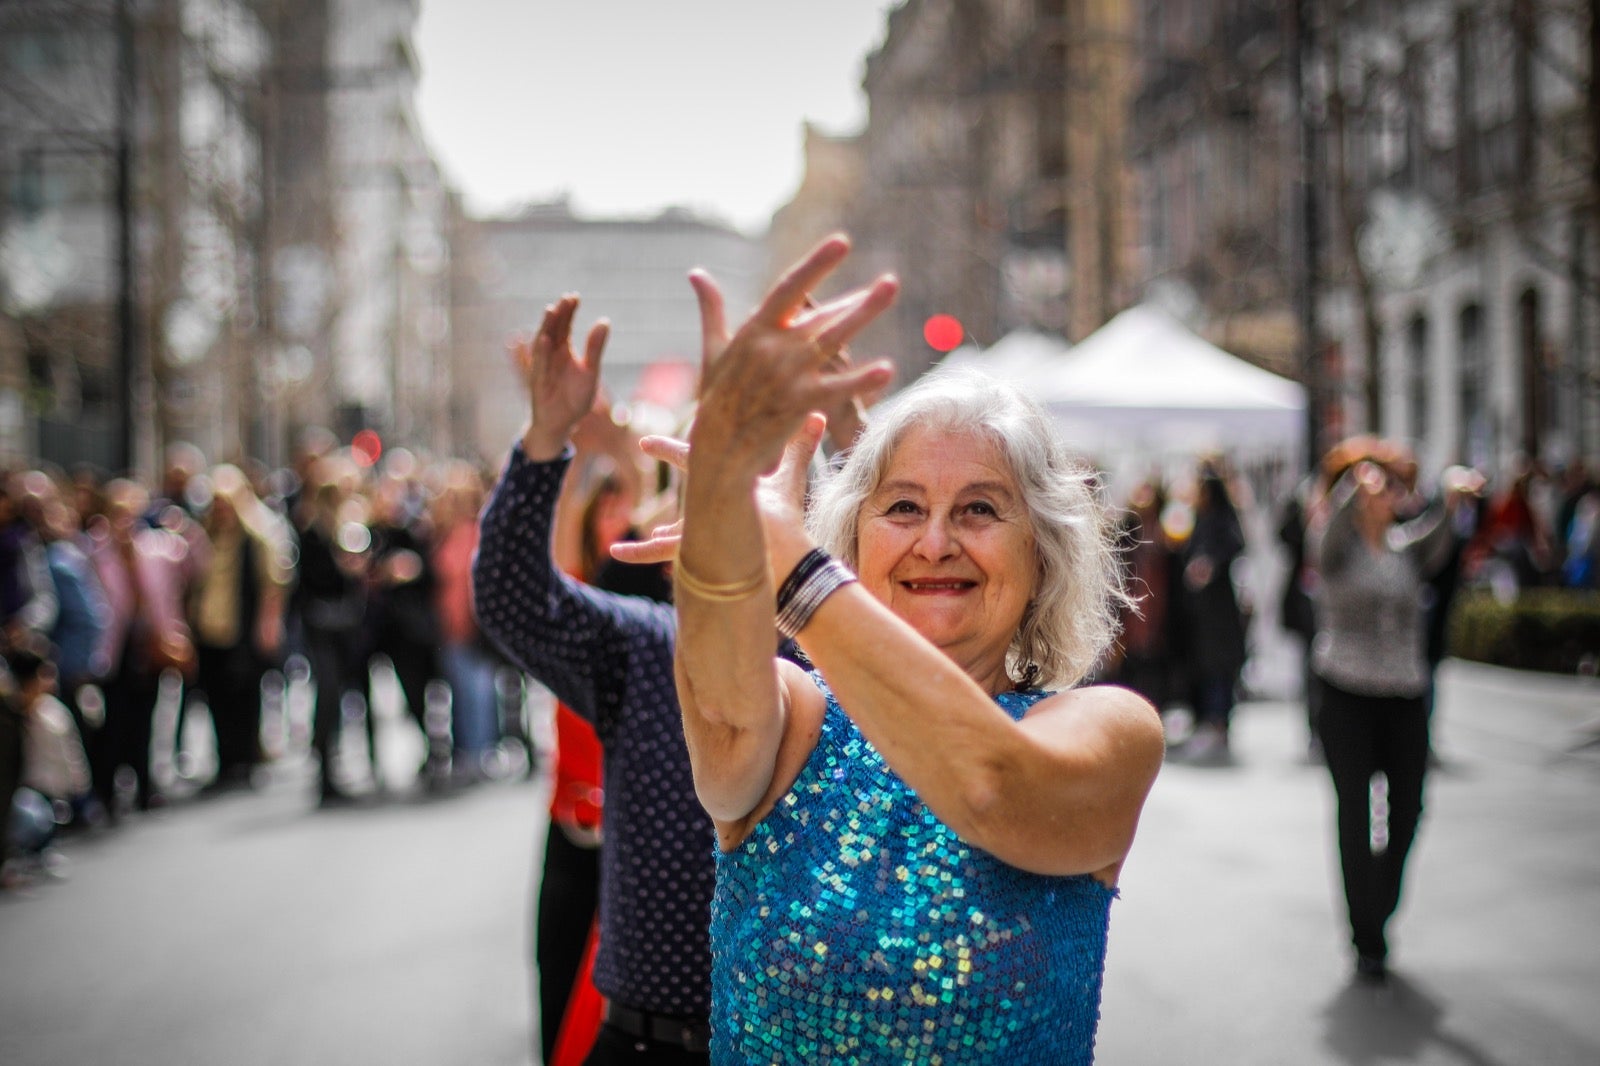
x=822 y=579
x=809 y=563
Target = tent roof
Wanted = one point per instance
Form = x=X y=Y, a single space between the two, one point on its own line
x=1023 y=356
x=1146 y=358
x=1144 y=384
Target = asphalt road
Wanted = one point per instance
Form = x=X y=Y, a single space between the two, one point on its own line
x=253 y=928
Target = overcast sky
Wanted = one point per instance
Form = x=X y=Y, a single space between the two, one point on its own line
x=630 y=106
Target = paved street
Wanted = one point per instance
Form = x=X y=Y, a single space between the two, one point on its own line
x=251 y=928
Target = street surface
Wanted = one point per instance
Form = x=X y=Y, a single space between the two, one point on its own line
x=251 y=928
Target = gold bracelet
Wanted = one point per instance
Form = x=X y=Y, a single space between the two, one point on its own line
x=718 y=592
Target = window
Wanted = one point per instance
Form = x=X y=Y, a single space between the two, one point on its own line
x=1473 y=441
x=1541 y=402
x=1417 y=368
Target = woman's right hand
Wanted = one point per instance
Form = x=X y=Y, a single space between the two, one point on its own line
x=561 y=389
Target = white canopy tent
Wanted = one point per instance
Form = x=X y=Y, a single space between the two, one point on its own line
x=1145 y=383
x=1022 y=357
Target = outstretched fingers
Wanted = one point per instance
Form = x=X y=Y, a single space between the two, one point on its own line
x=837 y=388
x=855 y=312
x=668 y=450
x=594 y=347
x=793 y=289
x=713 y=317
x=660 y=547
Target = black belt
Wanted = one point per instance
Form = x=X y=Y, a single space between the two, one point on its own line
x=690 y=1034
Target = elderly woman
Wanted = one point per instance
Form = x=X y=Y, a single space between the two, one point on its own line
x=918 y=843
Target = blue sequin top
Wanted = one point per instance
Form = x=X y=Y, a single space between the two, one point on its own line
x=853 y=925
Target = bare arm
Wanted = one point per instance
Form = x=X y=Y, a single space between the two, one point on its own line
x=758 y=389
x=1058 y=793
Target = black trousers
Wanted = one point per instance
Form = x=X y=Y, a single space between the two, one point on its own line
x=1363 y=736
x=335 y=669
x=124 y=738
x=569 y=893
x=231 y=680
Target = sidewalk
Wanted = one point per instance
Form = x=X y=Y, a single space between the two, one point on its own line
x=1229 y=943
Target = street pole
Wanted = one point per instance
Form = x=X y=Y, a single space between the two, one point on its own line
x=127 y=325
x=1306 y=274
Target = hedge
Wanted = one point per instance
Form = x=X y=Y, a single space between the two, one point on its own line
x=1554 y=630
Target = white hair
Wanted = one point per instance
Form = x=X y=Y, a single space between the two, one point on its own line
x=1072 y=617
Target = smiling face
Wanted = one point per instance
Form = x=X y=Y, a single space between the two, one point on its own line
x=946 y=543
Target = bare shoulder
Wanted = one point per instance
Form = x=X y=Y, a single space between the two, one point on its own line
x=1119 y=717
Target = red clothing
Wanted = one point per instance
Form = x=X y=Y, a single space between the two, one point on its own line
x=576 y=798
x=452 y=567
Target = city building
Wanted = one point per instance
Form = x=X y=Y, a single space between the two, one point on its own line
x=219 y=223
x=1212 y=139
x=995 y=177
x=129 y=228
x=632 y=271
x=360 y=243
x=1457 y=301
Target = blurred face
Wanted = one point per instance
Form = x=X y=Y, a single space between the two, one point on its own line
x=124 y=509
x=1382 y=493
x=945 y=541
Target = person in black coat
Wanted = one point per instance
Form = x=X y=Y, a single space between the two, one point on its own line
x=330 y=598
x=402 y=622
x=1213 y=624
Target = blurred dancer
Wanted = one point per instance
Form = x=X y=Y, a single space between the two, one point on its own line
x=1370 y=661
x=144 y=571
x=401 y=622
x=1145 y=663
x=469 y=663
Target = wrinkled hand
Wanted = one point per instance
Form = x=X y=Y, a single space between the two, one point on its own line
x=662 y=544
x=561 y=388
x=759 y=384
x=780 y=496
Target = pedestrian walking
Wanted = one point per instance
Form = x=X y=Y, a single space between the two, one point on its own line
x=1371 y=664
x=1213 y=625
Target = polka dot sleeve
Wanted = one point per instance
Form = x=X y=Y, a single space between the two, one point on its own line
x=580 y=642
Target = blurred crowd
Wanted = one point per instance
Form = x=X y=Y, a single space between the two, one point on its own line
x=220 y=581
x=1188 y=640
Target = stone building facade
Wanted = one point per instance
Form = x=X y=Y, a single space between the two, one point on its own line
x=995 y=179
x=632 y=271
x=1458 y=304
x=129 y=227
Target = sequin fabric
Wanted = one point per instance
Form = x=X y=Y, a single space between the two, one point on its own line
x=852 y=925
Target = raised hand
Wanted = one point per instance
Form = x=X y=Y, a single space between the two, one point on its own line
x=561 y=387
x=759 y=383
x=780 y=498
x=662 y=543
